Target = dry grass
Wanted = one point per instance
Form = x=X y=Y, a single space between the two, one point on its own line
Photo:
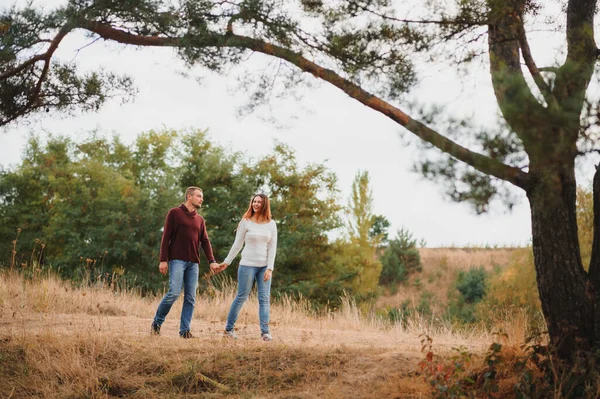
x=58 y=340
x=455 y=259
x=440 y=267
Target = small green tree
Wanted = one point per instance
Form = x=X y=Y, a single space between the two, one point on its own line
x=379 y=230
x=399 y=259
x=471 y=287
x=472 y=284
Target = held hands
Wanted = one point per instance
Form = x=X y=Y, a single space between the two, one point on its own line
x=214 y=267
x=222 y=267
x=218 y=268
x=163 y=267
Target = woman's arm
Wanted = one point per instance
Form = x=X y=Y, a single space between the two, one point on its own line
x=240 y=236
x=272 y=248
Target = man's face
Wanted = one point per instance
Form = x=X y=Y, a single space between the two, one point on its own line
x=196 y=198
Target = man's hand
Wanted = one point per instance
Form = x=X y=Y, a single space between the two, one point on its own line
x=163 y=267
x=268 y=274
x=214 y=267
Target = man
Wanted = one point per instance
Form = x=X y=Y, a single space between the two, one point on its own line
x=183 y=234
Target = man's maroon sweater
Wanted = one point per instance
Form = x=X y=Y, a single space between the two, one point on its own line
x=183 y=235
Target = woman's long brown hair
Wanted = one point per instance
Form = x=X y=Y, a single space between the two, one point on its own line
x=263 y=214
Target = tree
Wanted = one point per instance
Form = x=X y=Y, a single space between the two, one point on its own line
x=226 y=189
x=304 y=205
x=399 y=259
x=367 y=49
x=96 y=199
x=359 y=253
x=379 y=230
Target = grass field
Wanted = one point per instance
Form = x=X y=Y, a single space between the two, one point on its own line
x=59 y=340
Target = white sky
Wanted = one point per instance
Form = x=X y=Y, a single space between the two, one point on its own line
x=327 y=126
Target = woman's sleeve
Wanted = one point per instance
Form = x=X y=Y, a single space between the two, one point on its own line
x=240 y=236
x=272 y=248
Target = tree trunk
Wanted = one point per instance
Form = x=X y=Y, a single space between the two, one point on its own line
x=568 y=300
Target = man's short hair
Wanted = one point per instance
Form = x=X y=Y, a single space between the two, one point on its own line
x=190 y=191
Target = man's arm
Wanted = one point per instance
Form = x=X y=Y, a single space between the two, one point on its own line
x=168 y=228
x=206 y=247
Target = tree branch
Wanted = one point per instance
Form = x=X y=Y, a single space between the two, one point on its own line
x=46 y=57
x=480 y=162
x=534 y=71
x=573 y=77
x=549 y=69
x=423 y=21
x=510 y=87
x=40 y=57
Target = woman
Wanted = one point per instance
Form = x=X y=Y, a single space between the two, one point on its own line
x=258 y=232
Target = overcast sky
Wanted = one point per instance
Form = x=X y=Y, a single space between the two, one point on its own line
x=325 y=126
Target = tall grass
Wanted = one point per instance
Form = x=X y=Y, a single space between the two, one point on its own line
x=42 y=292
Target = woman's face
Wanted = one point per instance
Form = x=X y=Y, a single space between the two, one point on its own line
x=257 y=203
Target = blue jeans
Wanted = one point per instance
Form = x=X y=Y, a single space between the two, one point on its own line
x=246 y=276
x=181 y=273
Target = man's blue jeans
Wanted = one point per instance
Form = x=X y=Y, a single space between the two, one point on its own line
x=246 y=276
x=181 y=273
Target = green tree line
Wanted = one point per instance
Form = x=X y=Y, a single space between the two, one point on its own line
x=98 y=207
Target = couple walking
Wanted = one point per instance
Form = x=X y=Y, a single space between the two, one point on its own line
x=183 y=235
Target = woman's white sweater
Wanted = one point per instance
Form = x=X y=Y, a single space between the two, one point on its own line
x=261 y=244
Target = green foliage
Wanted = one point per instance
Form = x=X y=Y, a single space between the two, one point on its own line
x=64 y=88
x=400 y=259
x=379 y=230
x=472 y=284
x=227 y=182
x=356 y=270
x=470 y=289
x=99 y=206
x=95 y=200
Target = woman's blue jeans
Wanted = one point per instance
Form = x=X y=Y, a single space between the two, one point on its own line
x=181 y=273
x=246 y=276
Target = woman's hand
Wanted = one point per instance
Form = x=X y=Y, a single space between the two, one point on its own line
x=268 y=274
x=222 y=267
